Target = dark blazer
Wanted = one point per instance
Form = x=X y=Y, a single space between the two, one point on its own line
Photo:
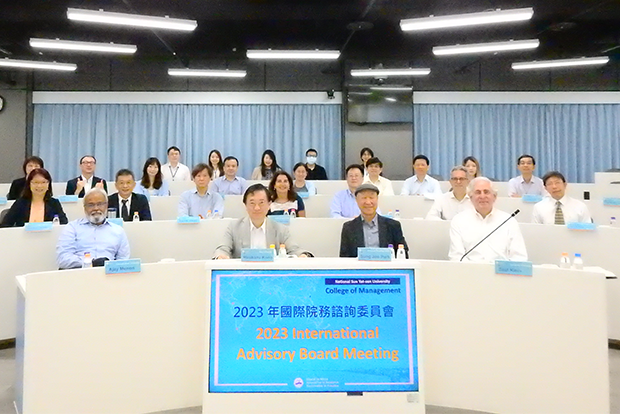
x=352 y=236
x=17 y=186
x=19 y=213
x=139 y=203
x=72 y=186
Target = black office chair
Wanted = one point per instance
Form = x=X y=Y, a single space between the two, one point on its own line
x=3 y=213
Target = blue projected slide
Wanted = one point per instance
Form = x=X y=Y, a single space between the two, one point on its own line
x=313 y=331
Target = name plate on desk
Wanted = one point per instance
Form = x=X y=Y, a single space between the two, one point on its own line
x=531 y=198
x=68 y=198
x=374 y=254
x=257 y=255
x=118 y=267
x=117 y=221
x=3 y=200
x=188 y=220
x=611 y=201
x=34 y=227
x=303 y=194
x=506 y=267
x=281 y=218
x=581 y=226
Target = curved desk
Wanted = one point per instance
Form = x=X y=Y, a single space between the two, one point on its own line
x=136 y=343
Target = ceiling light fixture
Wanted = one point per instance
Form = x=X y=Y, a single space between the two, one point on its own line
x=470 y=19
x=561 y=63
x=32 y=64
x=294 y=54
x=134 y=20
x=486 y=47
x=377 y=73
x=207 y=73
x=82 y=46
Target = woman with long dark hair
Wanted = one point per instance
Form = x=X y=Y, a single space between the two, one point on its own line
x=215 y=161
x=36 y=203
x=152 y=182
x=268 y=166
x=283 y=198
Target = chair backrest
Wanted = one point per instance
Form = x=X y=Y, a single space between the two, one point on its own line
x=3 y=213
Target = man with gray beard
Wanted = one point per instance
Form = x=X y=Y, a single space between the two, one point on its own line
x=92 y=234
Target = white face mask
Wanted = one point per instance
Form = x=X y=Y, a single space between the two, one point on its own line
x=311 y=160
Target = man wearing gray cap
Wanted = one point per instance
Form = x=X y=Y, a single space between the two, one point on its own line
x=370 y=229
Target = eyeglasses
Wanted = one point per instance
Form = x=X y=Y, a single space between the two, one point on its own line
x=89 y=162
x=93 y=205
x=458 y=179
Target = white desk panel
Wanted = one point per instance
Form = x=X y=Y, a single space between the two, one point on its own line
x=543 y=338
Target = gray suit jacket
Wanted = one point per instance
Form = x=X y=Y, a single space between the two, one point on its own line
x=237 y=237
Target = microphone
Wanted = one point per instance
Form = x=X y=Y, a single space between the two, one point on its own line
x=517 y=211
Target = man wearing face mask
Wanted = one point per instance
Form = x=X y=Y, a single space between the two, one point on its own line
x=92 y=234
x=315 y=171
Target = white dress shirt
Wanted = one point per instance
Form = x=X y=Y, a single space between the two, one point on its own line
x=518 y=186
x=88 y=183
x=258 y=238
x=469 y=227
x=179 y=173
x=573 y=211
x=428 y=186
x=446 y=206
x=383 y=184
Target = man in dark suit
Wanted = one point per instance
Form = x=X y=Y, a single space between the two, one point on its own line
x=87 y=180
x=126 y=202
x=370 y=229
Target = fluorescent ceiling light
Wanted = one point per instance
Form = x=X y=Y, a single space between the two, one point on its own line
x=391 y=99
x=373 y=73
x=82 y=46
x=561 y=63
x=135 y=20
x=470 y=19
x=486 y=47
x=294 y=54
x=32 y=64
x=392 y=88
x=207 y=73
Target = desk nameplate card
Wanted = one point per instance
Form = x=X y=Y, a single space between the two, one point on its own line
x=36 y=227
x=581 y=226
x=611 y=201
x=3 y=200
x=68 y=198
x=507 y=267
x=531 y=198
x=281 y=218
x=117 y=221
x=120 y=267
x=188 y=220
x=374 y=254
x=257 y=255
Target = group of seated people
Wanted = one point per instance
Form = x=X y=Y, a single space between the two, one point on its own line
x=469 y=205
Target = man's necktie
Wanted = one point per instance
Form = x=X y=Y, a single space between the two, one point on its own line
x=125 y=211
x=559 y=216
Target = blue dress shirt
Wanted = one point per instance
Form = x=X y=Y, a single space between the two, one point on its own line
x=162 y=191
x=81 y=236
x=427 y=186
x=235 y=187
x=193 y=204
x=344 y=205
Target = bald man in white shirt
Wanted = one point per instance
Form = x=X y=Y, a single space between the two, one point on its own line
x=472 y=225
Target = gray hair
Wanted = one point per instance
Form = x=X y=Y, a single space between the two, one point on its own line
x=458 y=168
x=472 y=184
x=96 y=190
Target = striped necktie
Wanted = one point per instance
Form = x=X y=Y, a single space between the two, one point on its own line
x=559 y=216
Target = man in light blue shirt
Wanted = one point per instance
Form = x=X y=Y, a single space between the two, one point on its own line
x=343 y=204
x=527 y=182
x=200 y=201
x=92 y=234
x=229 y=183
x=421 y=183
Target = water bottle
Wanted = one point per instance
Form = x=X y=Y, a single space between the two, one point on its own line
x=282 y=254
x=136 y=216
x=390 y=215
x=293 y=213
x=564 y=261
x=578 y=262
x=612 y=222
x=400 y=254
x=209 y=215
x=397 y=215
x=286 y=212
x=391 y=247
x=216 y=214
x=273 y=249
x=55 y=220
x=87 y=261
